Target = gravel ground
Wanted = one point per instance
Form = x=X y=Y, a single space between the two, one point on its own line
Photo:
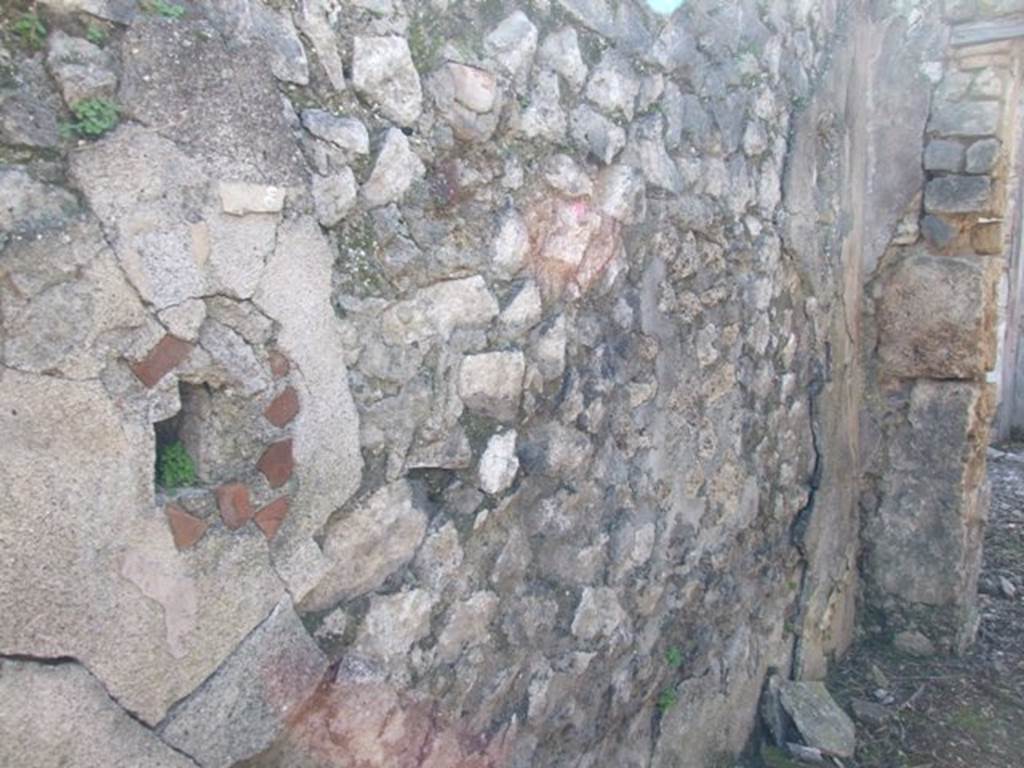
x=964 y=712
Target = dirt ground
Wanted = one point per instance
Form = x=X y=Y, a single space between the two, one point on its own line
x=965 y=712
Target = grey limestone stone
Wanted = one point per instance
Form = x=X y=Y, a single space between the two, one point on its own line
x=365 y=546
x=982 y=156
x=83 y=70
x=614 y=85
x=492 y=383
x=348 y=133
x=819 y=719
x=943 y=155
x=395 y=169
x=334 y=196
x=958 y=194
x=597 y=134
x=513 y=44
x=499 y=464
x=965 y=118
x=561 y=52
x=383 y=72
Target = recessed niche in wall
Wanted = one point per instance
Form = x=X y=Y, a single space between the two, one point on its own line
x=175 y=467
x=220 y=428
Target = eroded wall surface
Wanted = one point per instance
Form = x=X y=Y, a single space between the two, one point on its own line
x=515 y=346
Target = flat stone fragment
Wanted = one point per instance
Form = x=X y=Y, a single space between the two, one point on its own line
x=982 y=156
x=499 y=464
x=249 y=700
x=965 y=118
x=29 y=205
x=594 y=132
x=468 y=98
x=348 y=133
x=83 y=70
x=334 y=196
x=396 y=168
x=240 y=198
x=561 y=51
x=936 y=231
x=29 y=107
x=936 y=317
x=543 y=117
x=565 y=175
x=613 y=85
x=185 y=528
x=943 y=155
x=283 y=408
x=492 y=383
x=958 y=194
x=313 y=18
x=475 y=89
x=383 y=71
x=288 y=59
x=513 y=43
x=598 y=615
x=269 y=518
x=393 y=624
x=467 y=625
x=370 y=543
x=279 y=365
x=59 y=715
x=234 y=505
x=524 y=311
x=168 y=353
x=914 y=643
x=511 y=246
x=819 y=719
x=277 y=463
x=620 y=194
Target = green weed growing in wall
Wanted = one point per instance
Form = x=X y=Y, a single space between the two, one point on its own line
x=174 y=467
x=667 y=699
x=163 y=8
x=31 y=30
x=93 y=117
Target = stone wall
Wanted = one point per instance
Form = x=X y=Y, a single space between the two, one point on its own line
x=934 y=312
x=517 y=347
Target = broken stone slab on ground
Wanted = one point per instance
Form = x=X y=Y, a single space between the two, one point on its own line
x=818 y=718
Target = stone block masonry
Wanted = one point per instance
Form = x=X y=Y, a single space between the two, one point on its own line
x=521 y=350
x=938 y=323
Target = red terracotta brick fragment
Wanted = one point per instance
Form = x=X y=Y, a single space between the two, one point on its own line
x=168 y=353
x=186 y=529
x=270 y=517
x=279 y=365
x=283 y=408
x=277 y=463
x=235 y=507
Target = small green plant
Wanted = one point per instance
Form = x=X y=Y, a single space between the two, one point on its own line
x=174 y=467
x=163 y=8
x=674 y=657
x=94 y=117
x=667 y=699
x=31 y=30
x=96 y=34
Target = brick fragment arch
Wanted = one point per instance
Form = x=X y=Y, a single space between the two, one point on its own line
x=276 y=462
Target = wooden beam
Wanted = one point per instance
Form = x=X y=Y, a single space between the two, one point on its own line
x=981 y=32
